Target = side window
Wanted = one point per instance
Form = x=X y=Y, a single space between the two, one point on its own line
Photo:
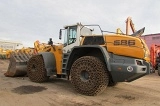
x=72 y=35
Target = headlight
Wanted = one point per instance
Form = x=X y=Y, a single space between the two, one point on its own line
x=139 y=62
x=147 y=54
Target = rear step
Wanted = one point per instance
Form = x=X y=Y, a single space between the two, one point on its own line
x=18 y=64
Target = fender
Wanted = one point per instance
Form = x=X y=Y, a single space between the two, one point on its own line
x=50 y=62
x=79 y=51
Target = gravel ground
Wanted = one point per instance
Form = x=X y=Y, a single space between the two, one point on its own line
x=20 y=91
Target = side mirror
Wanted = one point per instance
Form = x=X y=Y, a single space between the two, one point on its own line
x=60 y=34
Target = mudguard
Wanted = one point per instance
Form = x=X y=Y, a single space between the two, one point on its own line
x=80 y=49
x=50 y=62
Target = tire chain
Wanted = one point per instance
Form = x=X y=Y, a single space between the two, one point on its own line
x=98 y=76
x=39 y=74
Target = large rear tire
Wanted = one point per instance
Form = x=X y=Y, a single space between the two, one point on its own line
x=36 y=69
x=158 y=70
x=158 y=67
x=89 y=75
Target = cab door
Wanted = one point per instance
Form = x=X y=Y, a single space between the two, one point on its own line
x=70 y=38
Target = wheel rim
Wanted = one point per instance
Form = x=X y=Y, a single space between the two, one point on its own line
x=84 y=76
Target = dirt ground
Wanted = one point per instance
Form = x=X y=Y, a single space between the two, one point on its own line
x=20 y=91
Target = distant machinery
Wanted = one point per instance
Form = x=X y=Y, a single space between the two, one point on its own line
x=6 y=47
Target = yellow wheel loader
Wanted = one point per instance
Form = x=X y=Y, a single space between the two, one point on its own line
x=5 y=54
x=91 y=61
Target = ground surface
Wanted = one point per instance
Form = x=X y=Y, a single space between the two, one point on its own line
x=21 y=91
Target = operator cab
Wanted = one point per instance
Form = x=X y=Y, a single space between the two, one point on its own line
x=73 y=35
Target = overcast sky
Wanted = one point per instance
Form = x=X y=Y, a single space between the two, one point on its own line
x=30 y=20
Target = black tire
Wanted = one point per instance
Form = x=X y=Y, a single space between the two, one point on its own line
x=89 y=75
x=36 y=69
x=158 y=70
x=112 y=83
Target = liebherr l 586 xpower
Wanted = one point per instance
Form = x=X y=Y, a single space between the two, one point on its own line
x=92 y=62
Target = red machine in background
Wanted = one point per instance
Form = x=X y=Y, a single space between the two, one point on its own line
x=155 y=57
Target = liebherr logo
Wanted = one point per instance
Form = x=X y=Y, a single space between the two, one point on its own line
x=130 y=68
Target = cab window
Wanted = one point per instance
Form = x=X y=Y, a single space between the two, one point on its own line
x=72 y=34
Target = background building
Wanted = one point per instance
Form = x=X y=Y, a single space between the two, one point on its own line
x=11 y=45
x=151 y=39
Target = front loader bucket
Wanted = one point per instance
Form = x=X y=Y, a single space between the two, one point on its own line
x=18 y=64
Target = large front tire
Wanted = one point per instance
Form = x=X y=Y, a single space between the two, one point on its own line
x=36 y=69
x=89 y=75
